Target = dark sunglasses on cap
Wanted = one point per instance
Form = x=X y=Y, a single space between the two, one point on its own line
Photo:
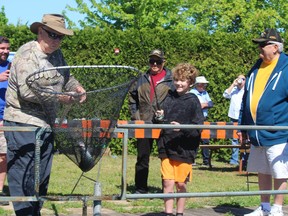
x=158 y=61
x=53 y=35
x=263 y=44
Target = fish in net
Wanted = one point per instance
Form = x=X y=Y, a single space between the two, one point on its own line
x=82 y=130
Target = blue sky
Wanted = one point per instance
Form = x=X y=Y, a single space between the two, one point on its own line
x=29 y=11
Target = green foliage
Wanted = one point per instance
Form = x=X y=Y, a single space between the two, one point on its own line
x=137 y=14
x=17 y=35
x=3 y=19
x=210 y=16
x=220 y=57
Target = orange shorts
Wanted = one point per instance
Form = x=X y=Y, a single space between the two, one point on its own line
x=176 y=170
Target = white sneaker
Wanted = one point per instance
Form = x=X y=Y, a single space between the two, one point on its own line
x=258 y=212
x=275 y=212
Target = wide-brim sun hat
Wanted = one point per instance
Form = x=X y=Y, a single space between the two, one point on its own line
x=201 y=79
x=55 y=22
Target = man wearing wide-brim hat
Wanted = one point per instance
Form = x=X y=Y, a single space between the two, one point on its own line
x=54 y=22
x=26 y=109
x=206 y=103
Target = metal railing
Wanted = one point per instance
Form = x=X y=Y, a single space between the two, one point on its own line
x=124 y=194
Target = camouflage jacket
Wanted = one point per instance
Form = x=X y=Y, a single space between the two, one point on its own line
x=22 y=105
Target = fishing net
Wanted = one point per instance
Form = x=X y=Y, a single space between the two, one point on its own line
x=82 y=130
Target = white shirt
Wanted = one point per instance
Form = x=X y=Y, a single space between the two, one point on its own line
x=235 y=97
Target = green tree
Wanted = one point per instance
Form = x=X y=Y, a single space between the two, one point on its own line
x=239 y=15
x=3 y=18
x=125 y=14
x=250 y=16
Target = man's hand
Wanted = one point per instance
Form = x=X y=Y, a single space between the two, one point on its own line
x=4 y=76
x=204 y=105
x=70 y=97
x=242 y=138
x=235 y=82
x=65 y=99
x=82 y=93
x=159 y=114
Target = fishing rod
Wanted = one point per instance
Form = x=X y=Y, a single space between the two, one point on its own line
x=156 y=97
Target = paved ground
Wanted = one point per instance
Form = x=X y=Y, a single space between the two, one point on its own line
x=209 y=211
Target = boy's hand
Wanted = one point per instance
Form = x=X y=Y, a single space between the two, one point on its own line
x=159 y=115
x=175 y=123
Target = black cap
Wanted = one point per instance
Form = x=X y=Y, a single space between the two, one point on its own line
x=269 y=35
x=158 y=53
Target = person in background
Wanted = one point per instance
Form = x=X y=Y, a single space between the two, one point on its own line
x=265 y=104
x=4 y=74
x=145 y=97
x=235 y=93
x=200 y=91
x=177 y=147
x=23 y=109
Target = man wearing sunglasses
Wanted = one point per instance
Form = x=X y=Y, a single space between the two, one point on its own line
x=265 y=104
x=23 y=109
x=235 y=93
x=145 y=97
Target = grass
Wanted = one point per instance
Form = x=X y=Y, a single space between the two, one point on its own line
x=221 y=178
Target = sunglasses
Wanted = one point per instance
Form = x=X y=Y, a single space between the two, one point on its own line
x=153 y=61
x=202 y=84
x=53 y=35
x=263 y=44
